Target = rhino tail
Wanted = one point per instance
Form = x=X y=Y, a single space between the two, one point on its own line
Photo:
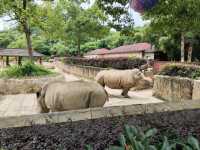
x=107 y=95
x=41 y=98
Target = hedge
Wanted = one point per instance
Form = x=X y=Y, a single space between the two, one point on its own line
x=116 y=63
x=181 y=70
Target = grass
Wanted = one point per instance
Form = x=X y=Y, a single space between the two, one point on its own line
x=27 y=69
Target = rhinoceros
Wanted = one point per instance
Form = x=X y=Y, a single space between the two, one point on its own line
x=120 y=79
x=63 y=96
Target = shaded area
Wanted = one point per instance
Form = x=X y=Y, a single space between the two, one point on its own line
x=99 y=132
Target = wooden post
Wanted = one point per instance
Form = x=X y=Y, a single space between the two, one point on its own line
x=16 y=59
x=190 y=54
x=7 y=61
x=19 y=60
x=2 y=62
x=182 y=47
x=40 y=59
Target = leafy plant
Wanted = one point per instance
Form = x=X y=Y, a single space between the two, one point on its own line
x=135 y=139
x=25 y=70
x=189 y=71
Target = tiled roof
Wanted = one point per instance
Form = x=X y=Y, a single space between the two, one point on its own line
x=98 y=51
x=138 y=47
x=18 y=52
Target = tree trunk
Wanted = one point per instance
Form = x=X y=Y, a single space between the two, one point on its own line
x=182 y=47
x=19 y=60
x=27 y=33
x=190 y=54
x=29 y=41
x=79 y=45
x=7 y=61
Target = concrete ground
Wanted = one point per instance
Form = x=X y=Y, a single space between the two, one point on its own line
x=26 y=104
x=18 y=105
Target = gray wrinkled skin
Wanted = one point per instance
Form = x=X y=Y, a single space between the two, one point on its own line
x=63 y=96
x=120 y=79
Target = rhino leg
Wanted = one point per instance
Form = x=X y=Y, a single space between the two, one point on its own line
x=125 y=93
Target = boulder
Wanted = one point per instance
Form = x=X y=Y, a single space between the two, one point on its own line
x=196 y=90
x=172 y=88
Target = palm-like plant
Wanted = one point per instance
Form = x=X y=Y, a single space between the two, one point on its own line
x=135 y=139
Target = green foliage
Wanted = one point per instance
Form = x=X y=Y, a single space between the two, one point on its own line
x=77 y=25
x=20 y=42
x=88 y=147
x=170 y=45
x=89 y=46
x=41 y=45
x=119 y=16
x=27 y=69
x=59 y=49
x=181 y=71
x=175 y=16
x=135 y=139
x=6 y=37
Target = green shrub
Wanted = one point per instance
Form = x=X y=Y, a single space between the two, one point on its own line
x=27 y=69
x=181 y=71
x=135 y=139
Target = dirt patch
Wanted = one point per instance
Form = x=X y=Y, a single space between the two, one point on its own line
x=99 y=132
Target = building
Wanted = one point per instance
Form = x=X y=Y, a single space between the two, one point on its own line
x=98 y=53
x=138 y=50
x=18 y=54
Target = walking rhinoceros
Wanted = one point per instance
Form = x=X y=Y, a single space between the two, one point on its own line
x=120 y=79
x=63 y=96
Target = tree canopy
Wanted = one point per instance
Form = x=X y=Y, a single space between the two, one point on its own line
x=74 y=27
x=22 y=11
x=175 y=17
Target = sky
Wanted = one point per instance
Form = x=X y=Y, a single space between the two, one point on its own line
x=5 y=24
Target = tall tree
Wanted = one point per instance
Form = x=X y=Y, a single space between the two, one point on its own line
x=119 y=15
x=177 y=17
x=76 y=23
x=23 y=12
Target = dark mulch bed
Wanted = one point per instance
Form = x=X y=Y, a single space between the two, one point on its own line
x=100 y=132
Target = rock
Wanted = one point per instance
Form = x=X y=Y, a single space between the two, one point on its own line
x=172 y=88
x=196 y=90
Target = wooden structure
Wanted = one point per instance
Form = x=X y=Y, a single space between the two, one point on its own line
x=18 y=54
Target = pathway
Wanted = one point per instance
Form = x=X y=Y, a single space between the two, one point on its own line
x=18 y=105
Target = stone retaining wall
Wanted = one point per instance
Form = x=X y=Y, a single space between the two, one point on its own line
x=25 y=85
x=95 y=113
x=87 y=71
x=196 y=90
x=176 y=88
x=82 y=71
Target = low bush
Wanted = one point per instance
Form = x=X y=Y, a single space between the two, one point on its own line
x=135 y=139
x=188 y=71
x=27 y=69
x=116 y=63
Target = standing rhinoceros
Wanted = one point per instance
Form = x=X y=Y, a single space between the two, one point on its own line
x=120 y=79
x=62 y=96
